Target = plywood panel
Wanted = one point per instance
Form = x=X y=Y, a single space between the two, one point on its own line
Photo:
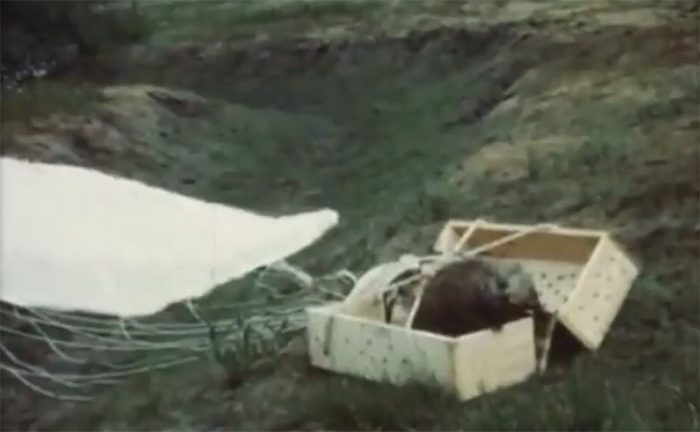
x=377 y=351
x=557 y=244
x=487 y=360
x=597 y=298
x=536 y=246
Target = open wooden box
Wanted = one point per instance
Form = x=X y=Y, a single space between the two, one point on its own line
x=581 y=276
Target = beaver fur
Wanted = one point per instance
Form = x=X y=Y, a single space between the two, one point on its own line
x=464 y=297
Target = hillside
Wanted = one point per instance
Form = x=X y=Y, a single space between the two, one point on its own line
x=400 y=115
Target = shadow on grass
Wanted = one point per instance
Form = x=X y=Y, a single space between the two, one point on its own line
x=580 y=399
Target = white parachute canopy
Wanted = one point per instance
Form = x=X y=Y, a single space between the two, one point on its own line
x=75 y=239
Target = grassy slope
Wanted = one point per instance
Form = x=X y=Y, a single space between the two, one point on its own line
x=590 y=120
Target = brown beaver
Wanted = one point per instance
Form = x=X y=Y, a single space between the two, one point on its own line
x=471 y=295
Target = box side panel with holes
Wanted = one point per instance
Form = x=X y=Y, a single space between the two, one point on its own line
x=376 y=351
x=599 y=293
x=488 y=360
x=553 y=280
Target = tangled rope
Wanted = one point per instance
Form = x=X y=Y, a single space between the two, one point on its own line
x=82 y=352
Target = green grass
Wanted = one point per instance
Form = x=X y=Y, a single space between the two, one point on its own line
x=44 y=98
x=361 y=129
x=582 y=401
x=226 y=20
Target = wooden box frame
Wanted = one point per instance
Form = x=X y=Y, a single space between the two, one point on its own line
x=582 y=278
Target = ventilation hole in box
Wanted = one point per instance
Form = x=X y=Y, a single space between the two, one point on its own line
x=580 y=307
x=347 y=340
x=404 y=361
x=596 y=294
x=560 y=277
x=595 y=318
x=384 y=360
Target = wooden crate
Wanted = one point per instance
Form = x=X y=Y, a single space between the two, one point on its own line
x=582 y=277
